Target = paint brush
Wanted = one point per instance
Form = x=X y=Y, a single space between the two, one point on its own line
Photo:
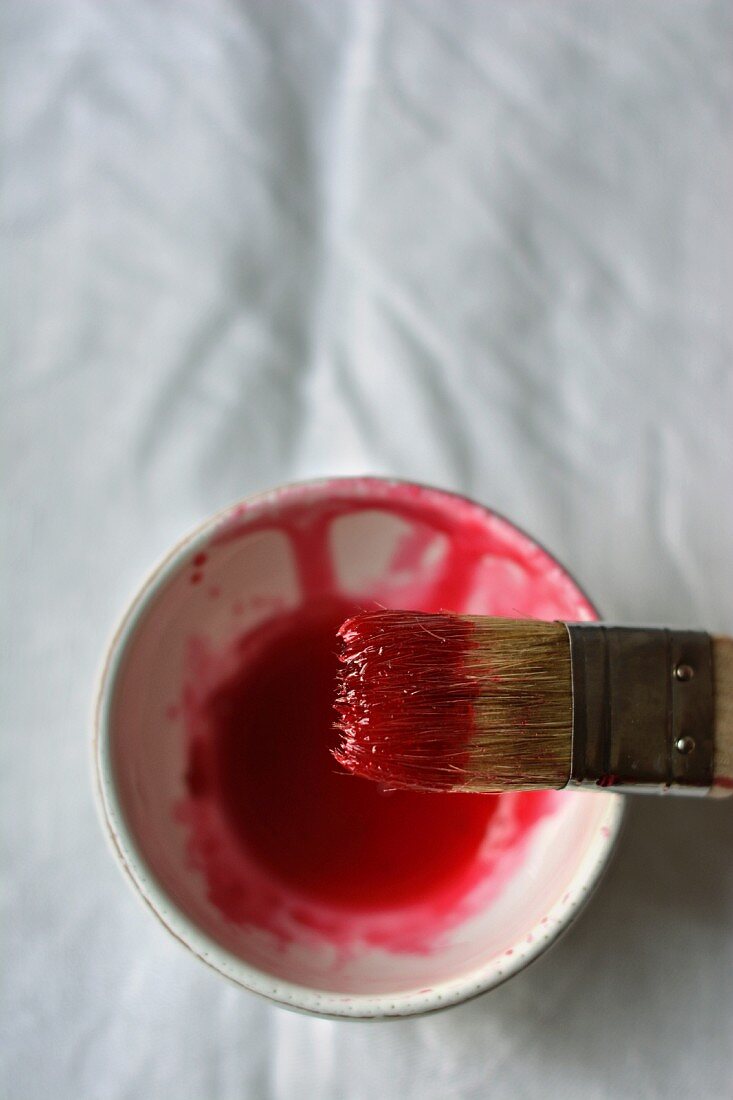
x=443 y=702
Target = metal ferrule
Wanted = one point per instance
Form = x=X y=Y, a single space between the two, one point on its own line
x=642 y=708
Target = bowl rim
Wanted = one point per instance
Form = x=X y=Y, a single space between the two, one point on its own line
x=309 y=999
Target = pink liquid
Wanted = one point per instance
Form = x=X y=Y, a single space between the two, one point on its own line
x=338 y=839
x=285 y=839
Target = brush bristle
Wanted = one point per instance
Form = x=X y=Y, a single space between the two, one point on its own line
x=454 y=702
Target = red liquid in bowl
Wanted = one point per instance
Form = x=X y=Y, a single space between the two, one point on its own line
x=339 y=839
x=285 y=839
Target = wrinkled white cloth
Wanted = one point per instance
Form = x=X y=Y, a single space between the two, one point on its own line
x=485 y=245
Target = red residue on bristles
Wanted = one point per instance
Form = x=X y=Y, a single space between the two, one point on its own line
x=405 y=705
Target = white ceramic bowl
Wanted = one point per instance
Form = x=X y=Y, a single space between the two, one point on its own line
x=251 y=574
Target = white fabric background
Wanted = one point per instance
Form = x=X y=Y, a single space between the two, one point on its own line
x=481 y=244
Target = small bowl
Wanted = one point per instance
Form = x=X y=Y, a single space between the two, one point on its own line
x=371 y=541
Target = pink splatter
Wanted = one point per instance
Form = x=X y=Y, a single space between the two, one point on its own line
x=404 y=891
x=240 y=879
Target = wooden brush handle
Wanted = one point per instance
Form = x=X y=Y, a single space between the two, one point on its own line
x=723 y=680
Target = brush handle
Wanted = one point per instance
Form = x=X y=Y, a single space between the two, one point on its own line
x=723 y=720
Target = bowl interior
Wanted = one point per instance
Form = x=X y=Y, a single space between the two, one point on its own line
x=363 y=540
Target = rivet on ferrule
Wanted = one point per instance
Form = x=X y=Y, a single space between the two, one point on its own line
x=685 y=745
